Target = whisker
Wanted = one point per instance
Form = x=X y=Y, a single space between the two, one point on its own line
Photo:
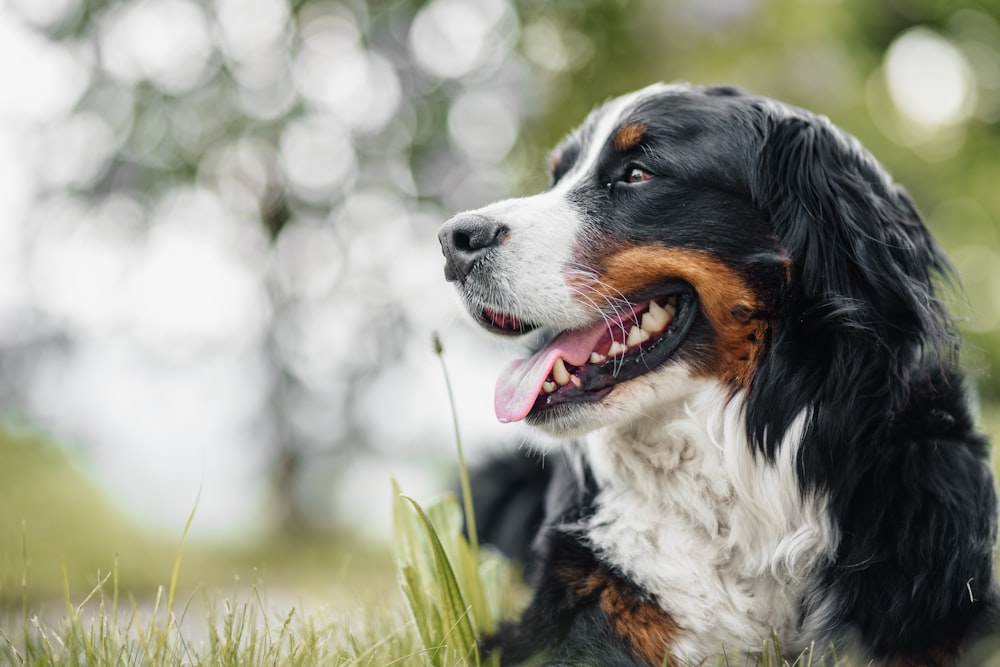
x=607 y=323
x=607 y=294
x=618 y=304
x=594 y=281
x=607 y=319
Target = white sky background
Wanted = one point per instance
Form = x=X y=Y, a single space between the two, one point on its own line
x=165 y=386
x=168 y=303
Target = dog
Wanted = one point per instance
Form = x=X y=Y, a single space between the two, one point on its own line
x=736 y=324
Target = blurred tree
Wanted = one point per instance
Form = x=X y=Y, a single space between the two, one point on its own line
x=333 y=137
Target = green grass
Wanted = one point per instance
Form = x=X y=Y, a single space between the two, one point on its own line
x=447 y=608
x=54 y=518
x=111 y=611
x=453 y=596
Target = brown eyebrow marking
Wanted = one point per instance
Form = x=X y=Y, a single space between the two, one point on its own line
x=629 y=135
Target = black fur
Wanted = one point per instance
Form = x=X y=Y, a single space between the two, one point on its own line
x=868 y=348
x=561 y=626
x=861 y=344
x=509 y=494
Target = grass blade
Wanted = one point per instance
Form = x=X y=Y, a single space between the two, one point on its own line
x=454 y=611
x=463 y=469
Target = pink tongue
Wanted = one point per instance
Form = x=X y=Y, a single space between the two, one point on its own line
x=518 y=386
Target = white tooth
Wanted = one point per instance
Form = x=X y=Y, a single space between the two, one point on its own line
x=616 y=349
x=656 y=318
x=596 y=358
x=636 y=336
x=671 y=307
x=559 y=372
x=548 y=387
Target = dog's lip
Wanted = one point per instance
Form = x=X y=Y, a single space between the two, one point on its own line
x=584 y=365
x=502 y=323
x=599 y=380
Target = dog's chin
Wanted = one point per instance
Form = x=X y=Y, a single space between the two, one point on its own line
x=569 y=420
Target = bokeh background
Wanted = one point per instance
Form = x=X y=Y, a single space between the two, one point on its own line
x=219 y=271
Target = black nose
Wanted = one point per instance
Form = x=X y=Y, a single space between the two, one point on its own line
x=465 y=239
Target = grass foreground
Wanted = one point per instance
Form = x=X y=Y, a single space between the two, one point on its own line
x=454 y=595
x=437 y=627
x=450 y=595
x=65 y=600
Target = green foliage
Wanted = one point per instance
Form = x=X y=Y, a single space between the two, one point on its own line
x=436 y=601
x=241 y=630
x=456 y=594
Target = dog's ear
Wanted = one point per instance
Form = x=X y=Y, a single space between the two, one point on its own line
x=861 y=308
x=860 y=252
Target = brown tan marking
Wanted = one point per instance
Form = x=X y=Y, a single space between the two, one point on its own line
x=628 y=136
x=641 y=622
x=730 y=304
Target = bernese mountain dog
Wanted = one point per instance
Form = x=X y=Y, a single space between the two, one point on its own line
x=737 y=327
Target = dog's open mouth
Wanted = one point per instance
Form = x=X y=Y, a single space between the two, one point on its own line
x=584 y=365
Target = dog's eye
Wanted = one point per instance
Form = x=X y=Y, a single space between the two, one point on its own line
x=632 y=174
x=637 y=175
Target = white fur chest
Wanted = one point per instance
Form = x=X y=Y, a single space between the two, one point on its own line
x=723 y=539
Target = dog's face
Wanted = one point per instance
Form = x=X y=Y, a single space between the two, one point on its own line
x=662 y=254
x=645 y=264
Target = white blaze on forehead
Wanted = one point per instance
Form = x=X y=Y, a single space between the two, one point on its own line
x=610 y=117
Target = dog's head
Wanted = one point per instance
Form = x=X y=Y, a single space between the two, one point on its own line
x=697 y=233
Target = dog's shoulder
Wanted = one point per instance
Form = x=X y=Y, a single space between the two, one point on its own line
x=914 y=568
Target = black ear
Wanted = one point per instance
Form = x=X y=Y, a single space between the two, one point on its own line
x=860 y=252
x=862 y=311
x=865 y=357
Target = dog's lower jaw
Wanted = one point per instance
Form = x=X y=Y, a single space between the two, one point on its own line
x=653 y=393
x=723 y=540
